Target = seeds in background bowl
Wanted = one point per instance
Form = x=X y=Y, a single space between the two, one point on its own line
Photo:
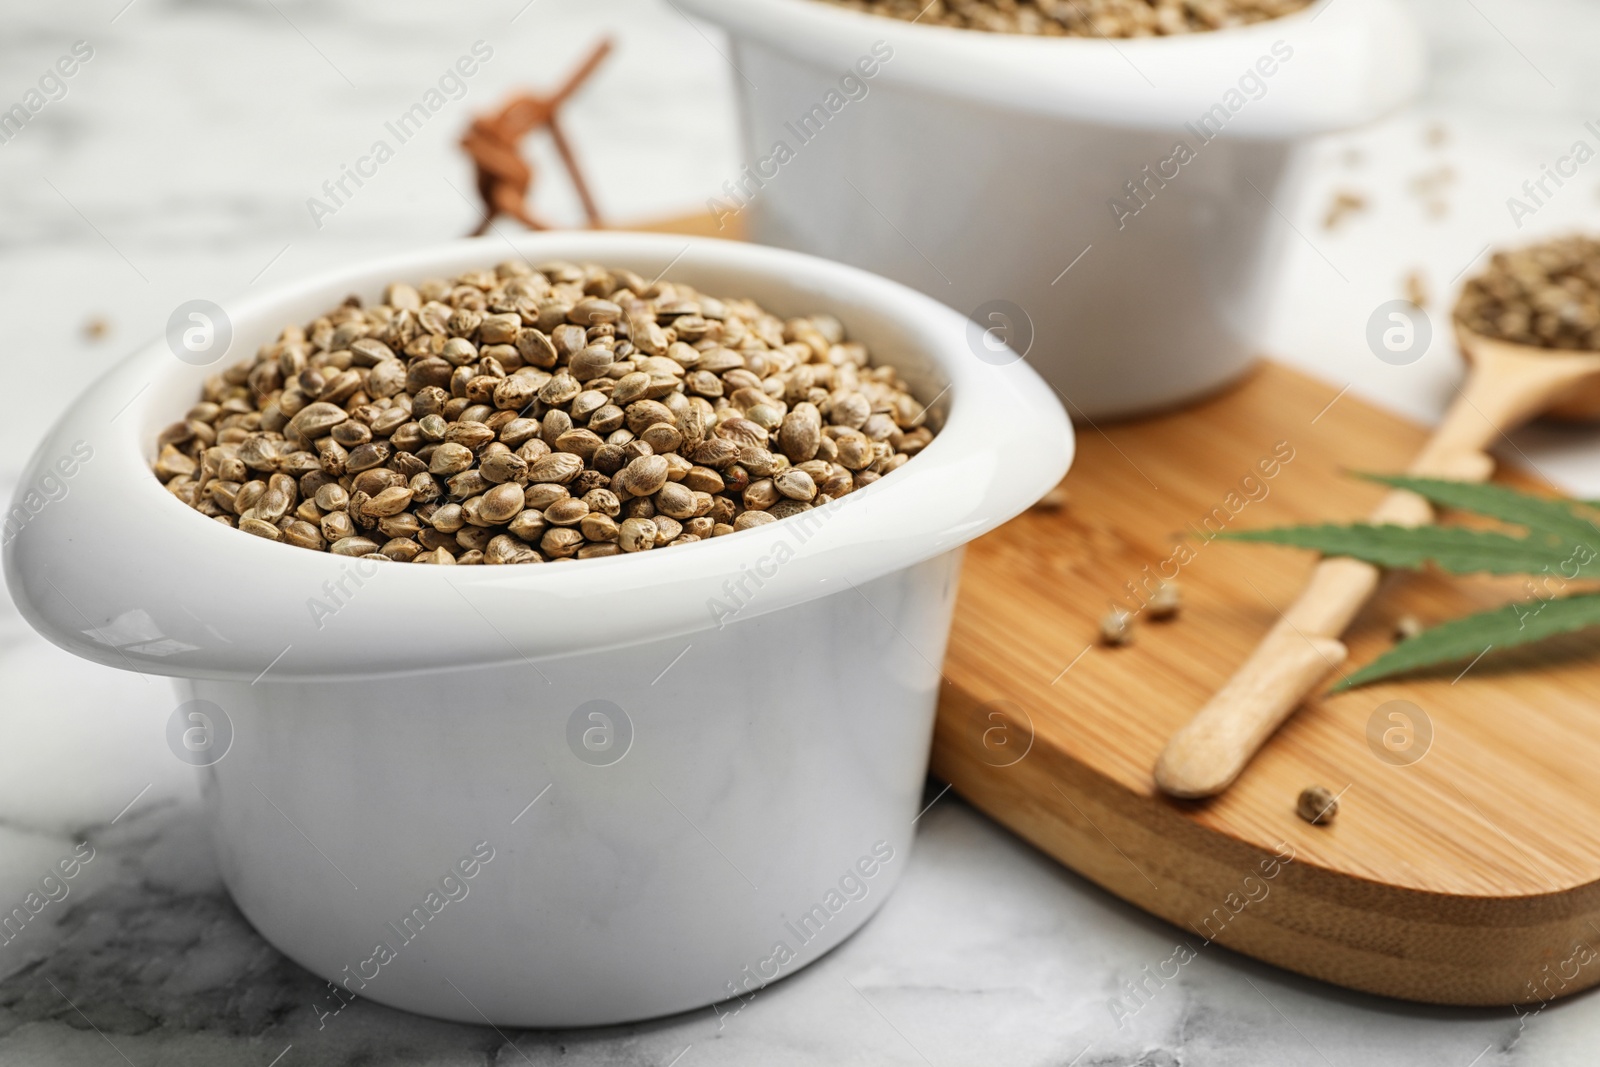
x=1546 y=295
x=1082 y=18
x=521 y=415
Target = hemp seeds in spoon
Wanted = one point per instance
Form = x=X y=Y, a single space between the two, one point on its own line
x=1546 y=295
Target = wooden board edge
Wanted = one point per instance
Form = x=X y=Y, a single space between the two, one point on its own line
x=703 y=224
x=1388 y=940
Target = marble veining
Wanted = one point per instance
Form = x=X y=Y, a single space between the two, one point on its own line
x=988 y=953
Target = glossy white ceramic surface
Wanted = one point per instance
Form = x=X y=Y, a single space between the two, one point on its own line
x=763 y=766
x=775 y=688
x=983 y=168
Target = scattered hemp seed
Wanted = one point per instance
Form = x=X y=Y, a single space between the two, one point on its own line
x=524 y=415
x=1166 y=601
x=1432 y=183
x=1430 y=187
x=1344 y=203
x=1317 y=805
x=1406 y=627
x=1417 y=288
x=1116 y=629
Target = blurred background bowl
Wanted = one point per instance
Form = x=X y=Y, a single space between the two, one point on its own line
x=1035 y=184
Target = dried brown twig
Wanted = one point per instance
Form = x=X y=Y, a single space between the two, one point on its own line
x=503 y=175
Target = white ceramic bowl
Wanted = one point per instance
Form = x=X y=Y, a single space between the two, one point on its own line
x=979 y=167
x=753 y=780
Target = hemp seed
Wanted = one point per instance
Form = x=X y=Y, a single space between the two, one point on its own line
x=1317 y=805
x=1116 y=628
x=1166 y=601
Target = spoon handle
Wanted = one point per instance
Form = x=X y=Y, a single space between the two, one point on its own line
x=1205 y=756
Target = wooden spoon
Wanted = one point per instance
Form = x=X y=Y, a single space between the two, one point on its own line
x=1507 y=384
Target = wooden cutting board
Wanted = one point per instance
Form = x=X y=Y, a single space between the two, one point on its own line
x=1470 y=875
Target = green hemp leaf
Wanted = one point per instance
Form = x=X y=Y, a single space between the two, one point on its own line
x=1557 y=541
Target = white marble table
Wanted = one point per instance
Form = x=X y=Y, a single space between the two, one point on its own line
x=178 y=165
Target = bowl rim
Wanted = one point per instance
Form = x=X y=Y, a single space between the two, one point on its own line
x=166 y=591
x=1356 y=61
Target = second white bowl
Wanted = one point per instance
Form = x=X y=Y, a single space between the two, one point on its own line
x=1110 y=208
